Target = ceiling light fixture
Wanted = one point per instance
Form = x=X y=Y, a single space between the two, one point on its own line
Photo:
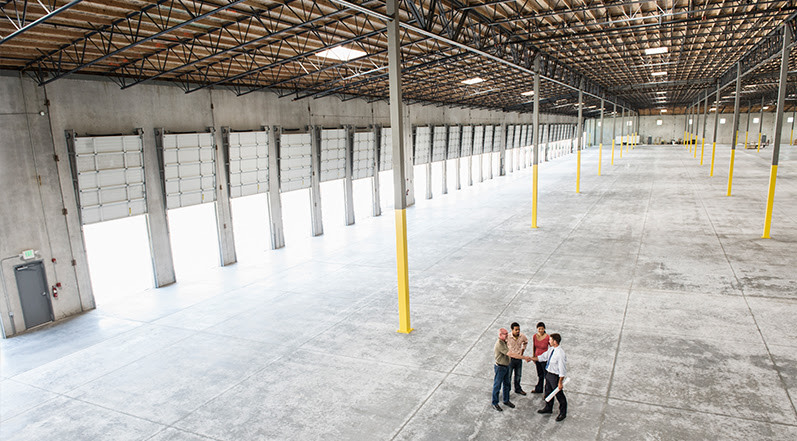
x=472 y=81
x=766 y=107
x=658 y=74
x=529 y=93
x=663 y=110
x=656 y=50
x=662 y=92
x=341 y=53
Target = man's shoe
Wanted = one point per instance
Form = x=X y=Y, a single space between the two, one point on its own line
x=543 y=410
x=509 y=404
x=561 y=417
x=498 y=408
x=520 y=392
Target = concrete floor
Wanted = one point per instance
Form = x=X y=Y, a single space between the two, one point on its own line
x=678 y=320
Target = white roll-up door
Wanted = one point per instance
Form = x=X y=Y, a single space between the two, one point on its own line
x=110 y=177
x=439 y=146
x=423 y=144
x=524 y=136
x=488 y=138
x=453 y=141
x=509 y=142
x=386 y=150
x=518 y=137
x=189 y=169
x=295 y=161
x=333 y=154
x=478 y=140
x=467 y=141
x=248 y=163
x=364 y=143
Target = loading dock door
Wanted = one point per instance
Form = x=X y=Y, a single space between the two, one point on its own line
x=295 y=162
x=33 y=294
x=363 y=164
x=189 y=169
x=333 y=154
x=423 y=145
x=386 y=150
x=248 y=155
x=109 y=177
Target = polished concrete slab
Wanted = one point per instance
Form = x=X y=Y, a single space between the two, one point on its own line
x=678 y=320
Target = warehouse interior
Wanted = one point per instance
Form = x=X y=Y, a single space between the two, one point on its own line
x=254 y=219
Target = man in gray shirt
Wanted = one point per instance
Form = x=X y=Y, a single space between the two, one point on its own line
x=502 y=357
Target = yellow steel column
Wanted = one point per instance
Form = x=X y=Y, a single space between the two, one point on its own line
x=758 y=147
x=702 y=150
x=399 y=164
x=745 y=140
x=716 y=125
x=536 y=142
x=580 y=143
x=600 y=143
x=735 y=128
x=773 y=173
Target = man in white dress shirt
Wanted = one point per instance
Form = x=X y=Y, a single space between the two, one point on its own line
x=556 y=371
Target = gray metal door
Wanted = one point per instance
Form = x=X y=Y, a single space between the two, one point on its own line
x=33 y=294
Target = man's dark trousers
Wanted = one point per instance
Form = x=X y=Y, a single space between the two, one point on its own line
x=515 y=371
x=501 y=379
x=551 y=383
x=540 y=365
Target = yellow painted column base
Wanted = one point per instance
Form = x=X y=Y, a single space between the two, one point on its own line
x=730 y=171
x=578 y=172
x=600 y=157
x=612 y=152
x=403 y=272
x=534 y=177
x=695 y=147
x=713 y=152
x=773 y=175
x=758 y=147
x=702 y=150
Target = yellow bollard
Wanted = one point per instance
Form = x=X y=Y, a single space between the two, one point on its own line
x=403 y=273
x=758 y=147
x=702 y=149
x=773 y=174
x=578 y=172
x=695 y=148
x=745 y=140
x=622 y=141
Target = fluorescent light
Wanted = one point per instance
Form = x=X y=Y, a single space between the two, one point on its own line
x=713 y=109
x=656 y=50
x=657 y=74
x=662 y=92
x=341 y=53
x=663 y=110
x=529 y=93
x=472 y=81
x=766 y=107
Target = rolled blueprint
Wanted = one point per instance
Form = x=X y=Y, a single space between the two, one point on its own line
x=556 y=391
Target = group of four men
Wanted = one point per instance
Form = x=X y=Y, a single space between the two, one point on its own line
x=548 y=356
